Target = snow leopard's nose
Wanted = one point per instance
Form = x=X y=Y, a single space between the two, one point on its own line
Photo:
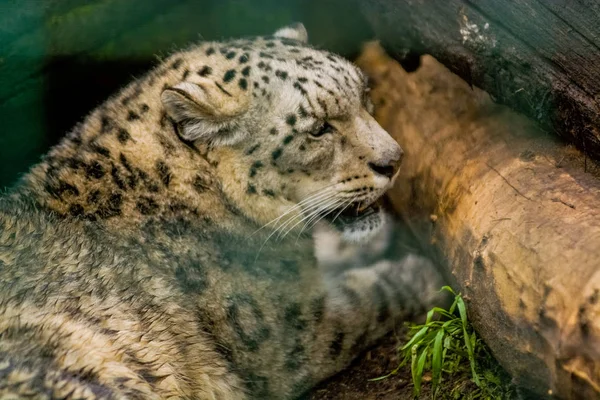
x=389 y=163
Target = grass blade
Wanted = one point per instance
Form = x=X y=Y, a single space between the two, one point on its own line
x=418 y=365
x=415 y=339
x=462 y=310
x=436 y=360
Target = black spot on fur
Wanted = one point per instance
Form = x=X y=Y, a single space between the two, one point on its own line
x=191 y=277
x=125 y=162
x=270 y=44
x=205 y=71
x=111 y=208
x=244 y=58
x=291 y=120
x=210 y=51
x=123 y=136
x=302 y=80
x=106 y=124
x=337 y=344
x=230 y=55
x=186 y=73
x=93 y=197
x=117 y=178
x=288 y=139
x=252 y=149
x=269 y=192
x=273 y=131
x=302 y=147
x=251 y=189
x=276 y=153
x=144 y=108
x=293 y=317
x=246 y=71
x=229 y=75
x=103 y=151
x=300 y=88
x=176 y=64
x=302 y=112
x=76 y=210
x=148 y=182
x=199 y=184
x=263 y=54
x=94 y=170
x=281 y=74
x=243 y=83
x=257 y=385
x=252 y=339
x=62 y=188
x=255 y=167
x=296 y=356
x=317 y=306
x=265 y=79
x=146 y=205
x=132 y=116
x=164 y=173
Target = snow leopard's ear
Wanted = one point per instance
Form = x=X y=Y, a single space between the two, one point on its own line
x=206 y=111
x=295 y=31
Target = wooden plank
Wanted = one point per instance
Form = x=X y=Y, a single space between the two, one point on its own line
x=540 y=58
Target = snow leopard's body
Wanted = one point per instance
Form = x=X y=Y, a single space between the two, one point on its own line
x=145 y=256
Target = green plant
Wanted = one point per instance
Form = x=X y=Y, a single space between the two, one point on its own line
x=447 y=346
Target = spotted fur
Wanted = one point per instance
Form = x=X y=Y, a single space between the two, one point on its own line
x=138 y=260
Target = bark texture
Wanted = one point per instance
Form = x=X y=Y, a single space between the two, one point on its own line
x=515 y=214
x=541 y=58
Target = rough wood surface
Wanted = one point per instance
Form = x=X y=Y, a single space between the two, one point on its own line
x=515 y=215
x=541 y=58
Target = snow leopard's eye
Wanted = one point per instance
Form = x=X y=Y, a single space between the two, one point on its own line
x=322 y=130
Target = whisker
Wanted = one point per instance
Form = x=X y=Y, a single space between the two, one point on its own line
x=316 y=211
x=316 y=216
x=320 y=217
x=309 y=206
x=343 y=209
x=295 y=207
x=338 y=214
x=314 y=203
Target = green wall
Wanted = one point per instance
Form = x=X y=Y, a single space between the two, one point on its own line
x=61 y=58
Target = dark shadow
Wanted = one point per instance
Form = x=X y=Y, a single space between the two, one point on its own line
x=76 y=86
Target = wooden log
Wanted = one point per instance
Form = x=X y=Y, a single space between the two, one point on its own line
x=541 y=58
x=516 y=216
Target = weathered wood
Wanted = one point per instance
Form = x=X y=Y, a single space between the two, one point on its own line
x=517 y=218
x=541 y=58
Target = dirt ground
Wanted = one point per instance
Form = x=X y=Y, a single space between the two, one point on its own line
x=353 y=383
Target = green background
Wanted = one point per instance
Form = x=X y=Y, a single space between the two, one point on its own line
x=59 y=59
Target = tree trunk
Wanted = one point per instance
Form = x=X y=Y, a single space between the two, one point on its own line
x=539 y=57
x=515 y=214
